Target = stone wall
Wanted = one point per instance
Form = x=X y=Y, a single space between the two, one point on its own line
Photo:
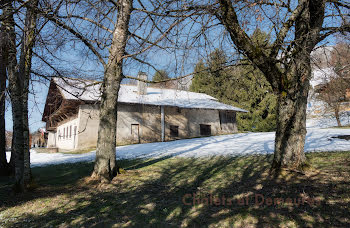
x=138 y=123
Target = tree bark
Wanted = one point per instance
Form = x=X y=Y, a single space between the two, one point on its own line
x=105 y=164
x=16 y=95
x=291 y=119
x=336 y=112
x=18 y=76
x=25 y=65
x=3 y=76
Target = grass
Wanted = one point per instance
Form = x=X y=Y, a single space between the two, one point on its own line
x=158 y=193
x=343 y=127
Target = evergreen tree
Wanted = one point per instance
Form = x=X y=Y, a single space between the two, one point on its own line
x=160 y=76
x=243 y=86
x=211 y=75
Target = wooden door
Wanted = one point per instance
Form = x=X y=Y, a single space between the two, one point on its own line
x=135 y=133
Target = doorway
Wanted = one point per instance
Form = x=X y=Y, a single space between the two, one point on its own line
x=135 y=133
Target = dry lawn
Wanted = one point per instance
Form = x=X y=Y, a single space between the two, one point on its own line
x=159 y=193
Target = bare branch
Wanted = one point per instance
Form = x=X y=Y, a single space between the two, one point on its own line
x=286 y=27
x=339 y=3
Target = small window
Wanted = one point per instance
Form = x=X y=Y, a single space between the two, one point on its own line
x=70 y=131
x=227 y=117
x=174 y=131
x=64 y=133
x=205 y=129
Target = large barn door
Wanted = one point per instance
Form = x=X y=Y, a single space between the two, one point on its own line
x=135 y=133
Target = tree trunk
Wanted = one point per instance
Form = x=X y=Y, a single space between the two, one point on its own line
x=18 y=76
x=25 y=65
x=291 y=132
x=291 y=117
x=3 y=76
x=105 y=164
x=294 y=89
x=16 y=95
x=15 y=86
x=336 y=112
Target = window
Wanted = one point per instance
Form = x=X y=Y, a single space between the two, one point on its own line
x=64 y=133
x=227 y=117
x=59 y=135
x=205 y=129
x=174 y=131
x=70 y=131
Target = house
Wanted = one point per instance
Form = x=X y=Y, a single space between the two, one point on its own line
x=144 y=114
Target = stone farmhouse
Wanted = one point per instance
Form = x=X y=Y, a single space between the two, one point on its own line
x=145 y=114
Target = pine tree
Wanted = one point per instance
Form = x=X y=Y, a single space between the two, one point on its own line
x=160 y=76
x=243 y=86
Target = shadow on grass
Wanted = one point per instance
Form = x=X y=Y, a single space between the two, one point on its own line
x=62 y=177
x=152 y=193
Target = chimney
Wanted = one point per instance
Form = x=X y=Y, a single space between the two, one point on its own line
x=142 y=86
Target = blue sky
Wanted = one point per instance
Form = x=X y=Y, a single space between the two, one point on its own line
x=36 y=105
x=75 y=62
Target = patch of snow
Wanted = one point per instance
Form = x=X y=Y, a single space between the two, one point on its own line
x=227 y=145
x=322 y=76
x=326 y=122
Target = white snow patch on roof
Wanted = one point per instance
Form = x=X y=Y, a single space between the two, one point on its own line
x=77 y=89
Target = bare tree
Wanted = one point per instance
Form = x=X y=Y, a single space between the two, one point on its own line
x=288 y=66
x=336 y=89
x=18 y=76
x=3 y=79
x=296 y=27
x=105 y=164
x=333 y=94
x=113 y=38
x=25 y=65
x=15 y=89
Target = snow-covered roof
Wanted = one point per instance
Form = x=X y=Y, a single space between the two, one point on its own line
x=86 y=90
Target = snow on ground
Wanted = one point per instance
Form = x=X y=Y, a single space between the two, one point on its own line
x=228 y=145
x=325 y=122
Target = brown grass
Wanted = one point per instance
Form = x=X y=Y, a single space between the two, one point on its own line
x=151 y=194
